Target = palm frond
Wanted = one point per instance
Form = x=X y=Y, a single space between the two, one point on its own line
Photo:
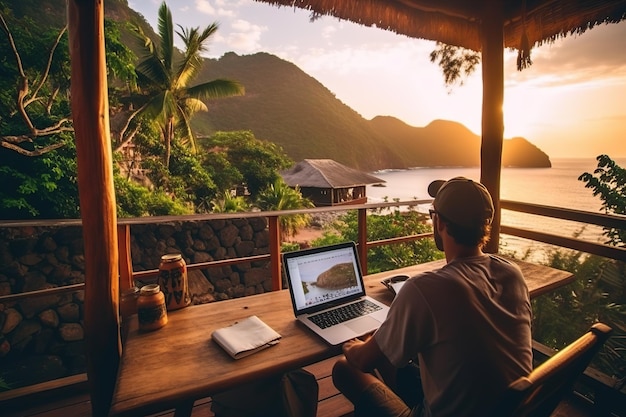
x=218 y=88
x=166 y=34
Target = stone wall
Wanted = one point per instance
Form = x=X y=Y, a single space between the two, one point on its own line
x=42 y=338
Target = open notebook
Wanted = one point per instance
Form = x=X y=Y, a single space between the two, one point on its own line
x=328 y=293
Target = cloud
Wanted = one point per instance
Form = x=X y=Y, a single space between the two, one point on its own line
x=244 y=36
x=204 y=6
x=598 y=54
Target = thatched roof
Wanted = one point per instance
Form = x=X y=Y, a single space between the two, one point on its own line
x=326 y=173
x=457 y=22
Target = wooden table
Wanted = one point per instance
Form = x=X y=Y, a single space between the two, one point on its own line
x=173 y=366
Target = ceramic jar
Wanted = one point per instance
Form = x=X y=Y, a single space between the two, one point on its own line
x=173 y=281
x=151 y=310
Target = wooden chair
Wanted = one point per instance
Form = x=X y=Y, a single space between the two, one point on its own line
x=539 y=393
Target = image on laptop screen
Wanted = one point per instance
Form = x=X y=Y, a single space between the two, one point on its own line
x=323 y=275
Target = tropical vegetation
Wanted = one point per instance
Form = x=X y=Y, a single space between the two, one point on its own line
x=385 y=225
x=167 y=97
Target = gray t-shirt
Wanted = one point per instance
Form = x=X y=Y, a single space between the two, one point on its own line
x=468 y=324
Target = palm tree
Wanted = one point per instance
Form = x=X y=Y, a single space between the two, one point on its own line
x=171 y=101
x=279 y=196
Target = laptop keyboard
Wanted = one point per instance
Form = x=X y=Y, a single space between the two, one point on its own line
x=344 y=313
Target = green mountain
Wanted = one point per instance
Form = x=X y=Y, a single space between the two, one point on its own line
x=284 y=105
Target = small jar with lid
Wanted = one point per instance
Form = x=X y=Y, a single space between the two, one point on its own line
x=151 y=310
x=173 y=281
x=128 y=301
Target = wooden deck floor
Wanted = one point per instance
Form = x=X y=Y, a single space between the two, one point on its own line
x=330 y=403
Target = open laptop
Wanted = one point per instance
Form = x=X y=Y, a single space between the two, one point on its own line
x=326 y=287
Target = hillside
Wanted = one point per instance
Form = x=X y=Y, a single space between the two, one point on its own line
x=285 y=105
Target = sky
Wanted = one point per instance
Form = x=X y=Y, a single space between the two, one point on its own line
x=570 y=103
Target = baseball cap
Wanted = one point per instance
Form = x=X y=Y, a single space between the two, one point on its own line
x=462 y=201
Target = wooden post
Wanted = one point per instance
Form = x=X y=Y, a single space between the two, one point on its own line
x=362 y=249
x=492 y=116
x=125 y=259
x=274 y=230
x=90 y=114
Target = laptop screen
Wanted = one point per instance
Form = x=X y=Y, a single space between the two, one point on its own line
x=321 y=277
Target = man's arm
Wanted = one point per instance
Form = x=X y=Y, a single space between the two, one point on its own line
x=364 y=355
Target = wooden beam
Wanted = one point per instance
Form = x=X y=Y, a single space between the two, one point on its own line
x=125 y=258
x=362 y=239
x=492 y=116
x=274 y=231
x=90 y=114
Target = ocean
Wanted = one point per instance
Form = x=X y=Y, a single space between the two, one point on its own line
x=557 y=186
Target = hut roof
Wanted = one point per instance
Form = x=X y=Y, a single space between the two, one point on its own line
x=326 y=173
x=458 y=22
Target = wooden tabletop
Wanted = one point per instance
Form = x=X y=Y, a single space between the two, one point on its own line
x=179 y=363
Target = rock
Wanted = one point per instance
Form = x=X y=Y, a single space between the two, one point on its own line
x=33 y=370
x=246 y=232
x=5 y=346
x=202 y=299
x=244 y=248
x=71 y=332
x=35 y=280
x=200 y=257
x=42 y=340
x=69 y=312
x=31 y=259
x=199 y=245
x=338 y=276
x=62 y=253
x=198 y=284
x=258 y=223
x=5 y=288
x=12 y=319
x=23 y=334
x=35 y=305
x=262 y=239
x=166 y=230
x=49 y=318
x=48 y=244
x=228 y=235
x=256 y=276
x=61 y=273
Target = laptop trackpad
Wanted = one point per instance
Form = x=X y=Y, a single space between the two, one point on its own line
x=363 y=325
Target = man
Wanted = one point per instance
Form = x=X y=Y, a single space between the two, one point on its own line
x=467 y=325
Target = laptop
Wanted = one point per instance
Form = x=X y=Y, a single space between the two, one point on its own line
x=327 y=291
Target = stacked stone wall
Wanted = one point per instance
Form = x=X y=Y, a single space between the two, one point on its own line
x=42 y=338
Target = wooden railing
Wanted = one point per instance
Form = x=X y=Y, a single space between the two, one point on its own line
x=127 y=276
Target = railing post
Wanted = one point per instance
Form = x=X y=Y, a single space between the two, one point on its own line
x=362 y=220
x=125 y=260
x=274 y=231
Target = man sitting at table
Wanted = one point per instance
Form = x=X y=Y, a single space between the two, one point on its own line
x=454 y=337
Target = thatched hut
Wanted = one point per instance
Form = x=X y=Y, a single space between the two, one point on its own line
x=328 y=183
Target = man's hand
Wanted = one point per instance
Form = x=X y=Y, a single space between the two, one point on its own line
x=362 y=354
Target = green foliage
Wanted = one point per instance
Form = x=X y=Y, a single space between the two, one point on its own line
x=608 y=181
x=596 y=294
x=169 y=99
x=245 y=159
x=39 y=187
x=134 y=200
x=455 y=62
x=228 y=203
x=279 y=196
x=385 y=226
x=185 y=179
x=4 y=386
